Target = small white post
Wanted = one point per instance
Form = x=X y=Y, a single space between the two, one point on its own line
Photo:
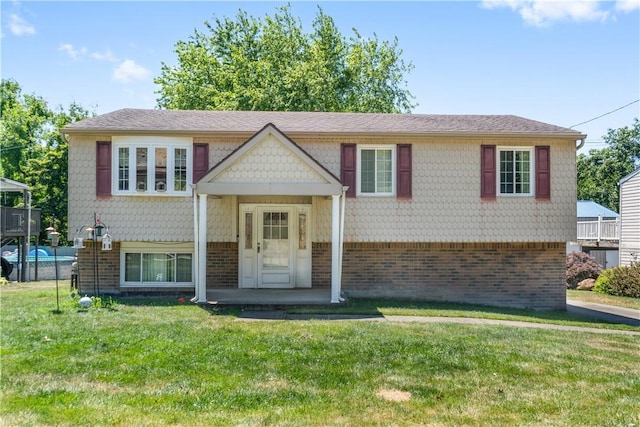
x=599 y=227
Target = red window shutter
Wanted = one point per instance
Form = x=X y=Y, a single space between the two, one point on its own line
x=348 y=168
x=103 y=168
x=404 y=170
x=543 y=172
x=200 y=160
x=488 y=171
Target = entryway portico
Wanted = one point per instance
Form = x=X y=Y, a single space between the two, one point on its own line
x=274 y=237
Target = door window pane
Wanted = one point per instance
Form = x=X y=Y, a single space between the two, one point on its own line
x=248 y=230
x=275 y=234
x=302 y=231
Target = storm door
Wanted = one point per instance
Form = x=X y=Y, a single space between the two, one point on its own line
x=274 y=247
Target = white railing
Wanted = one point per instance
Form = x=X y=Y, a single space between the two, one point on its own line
x=599 y=230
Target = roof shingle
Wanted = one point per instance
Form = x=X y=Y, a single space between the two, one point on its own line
x=190 y=121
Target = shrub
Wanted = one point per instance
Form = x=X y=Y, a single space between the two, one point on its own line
x=602 y=283
x=580 y=266
x=620 y=281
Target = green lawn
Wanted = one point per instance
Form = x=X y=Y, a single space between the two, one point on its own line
x=171 y=363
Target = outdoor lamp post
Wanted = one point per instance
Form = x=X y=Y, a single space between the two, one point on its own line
x=54 y=237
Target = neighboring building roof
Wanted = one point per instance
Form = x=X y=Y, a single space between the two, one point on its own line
x=131 y=120
x=589 y=209
x=10 y=185
x=628 y=177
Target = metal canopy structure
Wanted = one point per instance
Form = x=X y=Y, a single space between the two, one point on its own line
x=15 y=225
x=8 y=185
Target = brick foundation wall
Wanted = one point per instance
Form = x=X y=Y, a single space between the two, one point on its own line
x=321 y=265
x=222 y=265
x=108 y=272
x=522 y=275
x=222 y=270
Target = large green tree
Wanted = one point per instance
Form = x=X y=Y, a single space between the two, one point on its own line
x=600 y=171
x=271 y=64
x=32 y=150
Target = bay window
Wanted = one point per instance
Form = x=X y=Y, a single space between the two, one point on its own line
x=151 y=165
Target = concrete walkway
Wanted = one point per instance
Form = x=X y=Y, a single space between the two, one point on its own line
x=598 y=311
x=609 y=313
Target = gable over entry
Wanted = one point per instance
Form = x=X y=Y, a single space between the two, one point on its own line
x=268 y=164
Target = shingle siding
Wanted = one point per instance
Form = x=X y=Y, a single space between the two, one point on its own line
x=630 y=219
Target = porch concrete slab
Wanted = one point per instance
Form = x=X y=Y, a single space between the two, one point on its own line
x=269 y=297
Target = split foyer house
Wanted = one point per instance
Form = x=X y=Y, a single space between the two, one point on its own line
x=474 y=209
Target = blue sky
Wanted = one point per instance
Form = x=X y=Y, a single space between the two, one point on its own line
x=562 y=62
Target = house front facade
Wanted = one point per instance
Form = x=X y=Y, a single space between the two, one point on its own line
x=473 y=209
x=630 y=218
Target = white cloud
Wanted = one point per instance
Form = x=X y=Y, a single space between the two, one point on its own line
x=542 y=13
x=106 y=56
x=627 y=5
x=71 y=51
x=20 y=27
x=129 y=70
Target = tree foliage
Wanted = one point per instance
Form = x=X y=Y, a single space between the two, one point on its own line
x=272 y=65
x=32 y=151
x=600 y=171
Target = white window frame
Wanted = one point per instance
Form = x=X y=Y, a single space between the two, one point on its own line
x=155 y=248
x=359 y=170
x=151 y=143
x=532 y=171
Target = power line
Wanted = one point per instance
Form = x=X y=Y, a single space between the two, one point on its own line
x=605 y=114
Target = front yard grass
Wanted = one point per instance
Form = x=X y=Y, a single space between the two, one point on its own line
x=170 y=363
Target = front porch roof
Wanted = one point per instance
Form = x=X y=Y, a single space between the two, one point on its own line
x=269 y=163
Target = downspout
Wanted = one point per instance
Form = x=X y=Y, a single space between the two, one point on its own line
x=196 y=242
x=582 y=141
x=342 y=215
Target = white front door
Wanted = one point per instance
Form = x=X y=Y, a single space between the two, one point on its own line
x=273 y=247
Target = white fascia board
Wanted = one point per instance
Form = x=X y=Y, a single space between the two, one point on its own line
x=274 y=189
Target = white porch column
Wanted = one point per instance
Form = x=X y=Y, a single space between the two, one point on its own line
x=202 y=250
x=196 y=247
x=335 y=249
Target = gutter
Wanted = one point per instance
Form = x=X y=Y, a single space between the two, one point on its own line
x=334 y=134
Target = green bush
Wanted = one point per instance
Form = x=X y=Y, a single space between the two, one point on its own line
x=580 y=266
x=602 y=283
x=620 y=281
